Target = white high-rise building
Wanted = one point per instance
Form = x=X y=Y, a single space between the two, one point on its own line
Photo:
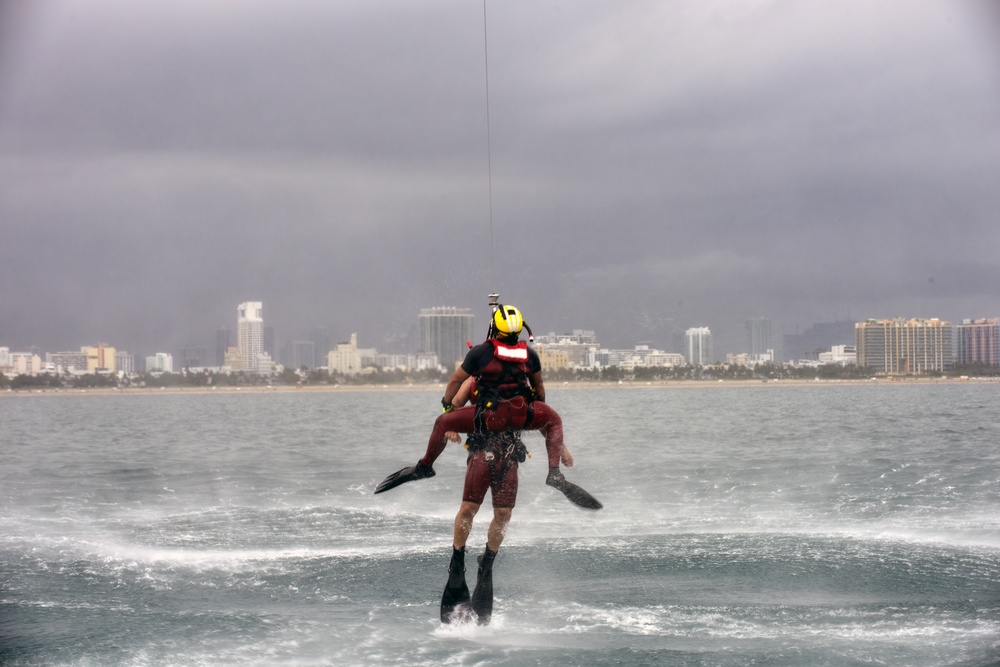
x=699 y=346
x=250 y=333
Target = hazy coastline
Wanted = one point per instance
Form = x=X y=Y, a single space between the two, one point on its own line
x=550 y=386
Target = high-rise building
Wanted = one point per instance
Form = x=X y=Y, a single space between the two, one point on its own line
x=445 y=331
x=699 y=346
x=222 y=343
x=905 y=346
x=250 y=333
x=758 y=336
x=320 y=337
x=979 y=342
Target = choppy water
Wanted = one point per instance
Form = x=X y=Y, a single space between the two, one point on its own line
x=827 y=525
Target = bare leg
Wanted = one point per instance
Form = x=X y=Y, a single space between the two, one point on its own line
x=463 y=522
x=498 y=527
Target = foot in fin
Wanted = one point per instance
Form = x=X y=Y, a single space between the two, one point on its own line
x=576 y=495
x=419 y=471
x=482 y=597
x=456 y=591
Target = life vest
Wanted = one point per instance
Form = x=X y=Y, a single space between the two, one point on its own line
x=507 y=373
x=503 y=388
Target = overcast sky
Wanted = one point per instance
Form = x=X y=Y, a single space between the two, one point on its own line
x=656 y=165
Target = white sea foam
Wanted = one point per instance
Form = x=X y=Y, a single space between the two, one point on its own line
x=737 y=527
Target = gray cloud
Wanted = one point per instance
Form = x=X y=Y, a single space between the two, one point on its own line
x=655 y=166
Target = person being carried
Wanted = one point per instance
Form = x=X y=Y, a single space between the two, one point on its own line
x=509 y=397
x=468 y=391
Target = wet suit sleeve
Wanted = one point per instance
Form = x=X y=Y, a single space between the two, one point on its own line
x=534 y=362
x=477 y=358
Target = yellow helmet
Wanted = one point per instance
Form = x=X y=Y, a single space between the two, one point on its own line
x=507 y=321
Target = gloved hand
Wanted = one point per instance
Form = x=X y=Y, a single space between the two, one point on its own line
x=447 y=407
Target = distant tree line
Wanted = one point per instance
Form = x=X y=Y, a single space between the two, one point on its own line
x=305 y=376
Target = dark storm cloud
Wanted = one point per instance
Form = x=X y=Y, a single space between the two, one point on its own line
x=655 y=166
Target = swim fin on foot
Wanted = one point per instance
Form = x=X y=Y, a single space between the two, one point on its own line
x=456 y=591
x=419 y=471
x=482 y=596
x=576 y=495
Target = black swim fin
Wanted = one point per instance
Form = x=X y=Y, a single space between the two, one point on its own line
x=577 y=495
x=419 y=471
x=482 y=597
x=456 y=591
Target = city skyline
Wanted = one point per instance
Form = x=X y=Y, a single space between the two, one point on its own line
x=445 y=329
x=648 y=167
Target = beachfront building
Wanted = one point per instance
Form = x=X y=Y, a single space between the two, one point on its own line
x=660 y=359
x=579 y=349
x=698 y=341
x=250 y=333
x=251 y=339
x=21 y=363
x=124 y=362
x=348 y=359
x=552 y=359
x=842 y=355
x=161 y=362
x=100 y=358
x=641 y=356
x=750 y=360
x=979 y=342
x=67 y=362
x=446 y=332
x=901 y=346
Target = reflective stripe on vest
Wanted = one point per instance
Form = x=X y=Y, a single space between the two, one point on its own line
x=515 y=353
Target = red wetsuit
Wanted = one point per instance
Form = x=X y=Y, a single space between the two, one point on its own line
x=495 y=468
x=503 y=404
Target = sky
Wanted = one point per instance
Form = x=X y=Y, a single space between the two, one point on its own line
x=635 y=168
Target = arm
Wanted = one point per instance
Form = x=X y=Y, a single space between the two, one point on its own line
x=461 y=398
x=464 y=393
x=538 y=385
x=454 y=384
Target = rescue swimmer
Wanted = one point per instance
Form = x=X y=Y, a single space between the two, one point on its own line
x=509 y=397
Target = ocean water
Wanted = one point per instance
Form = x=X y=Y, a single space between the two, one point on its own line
x=754 y=525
